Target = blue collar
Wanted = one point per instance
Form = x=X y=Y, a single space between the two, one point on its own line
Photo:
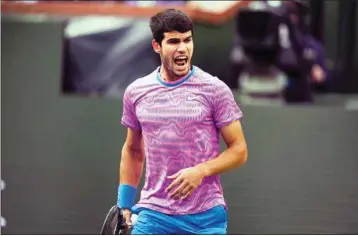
x=177 y=83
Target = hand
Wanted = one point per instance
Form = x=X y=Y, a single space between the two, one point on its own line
x=127 y=214
x=188 y=180
x=317 y=74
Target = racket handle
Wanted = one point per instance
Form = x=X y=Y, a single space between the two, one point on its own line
x=121 y=225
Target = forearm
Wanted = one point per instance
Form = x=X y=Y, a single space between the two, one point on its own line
x=131 y=167
x=233 y=157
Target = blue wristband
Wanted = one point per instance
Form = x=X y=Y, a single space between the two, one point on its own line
x=126 y=196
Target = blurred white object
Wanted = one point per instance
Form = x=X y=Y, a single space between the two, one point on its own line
x=134 y=218
x=213 y=6
x=274 y=3
x=143 y=3
x=3 y=222
x=257 y=5
x=262 y=90
x=27 y=2
x=351 y=105
x=86 y=25
x=284 y=36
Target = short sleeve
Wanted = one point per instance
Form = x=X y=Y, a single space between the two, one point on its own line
x=129 y=117
x=225 y=108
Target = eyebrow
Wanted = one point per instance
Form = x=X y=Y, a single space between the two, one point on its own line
x=178 y=39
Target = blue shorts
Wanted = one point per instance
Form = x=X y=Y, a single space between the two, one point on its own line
x=213 y=221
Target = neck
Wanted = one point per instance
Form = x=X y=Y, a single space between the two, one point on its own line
x=169 y=76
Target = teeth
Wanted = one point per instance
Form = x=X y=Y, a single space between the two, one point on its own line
x=181 y=58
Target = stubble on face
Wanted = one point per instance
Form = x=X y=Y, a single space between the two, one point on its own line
x=176 y=54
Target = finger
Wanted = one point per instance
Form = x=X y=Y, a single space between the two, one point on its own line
x=183 y=192
x=188 y=194
x=178 y=191
x=174 y=176
x=129 y=222
x=127 y=218
x=186 y=189
x=173 y=184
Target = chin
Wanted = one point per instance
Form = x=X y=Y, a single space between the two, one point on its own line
x=182 y=73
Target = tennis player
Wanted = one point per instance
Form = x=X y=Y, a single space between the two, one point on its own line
x=174 y=117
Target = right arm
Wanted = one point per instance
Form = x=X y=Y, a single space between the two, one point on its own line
x=132 y=160
x=131 y=166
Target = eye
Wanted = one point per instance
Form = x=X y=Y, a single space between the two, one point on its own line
x=173 y=41
x=187 y=40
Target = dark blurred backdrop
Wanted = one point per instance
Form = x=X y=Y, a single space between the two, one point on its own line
x=61 y=152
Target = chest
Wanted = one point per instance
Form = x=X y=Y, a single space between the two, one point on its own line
x=182 y=106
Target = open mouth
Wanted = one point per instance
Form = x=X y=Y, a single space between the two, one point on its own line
x=181 y=61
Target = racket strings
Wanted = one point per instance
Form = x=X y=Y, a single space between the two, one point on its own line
x=114 y=224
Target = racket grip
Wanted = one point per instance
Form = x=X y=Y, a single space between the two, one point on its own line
x=121 y=225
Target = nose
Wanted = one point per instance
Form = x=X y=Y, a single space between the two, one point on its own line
x=181 y=47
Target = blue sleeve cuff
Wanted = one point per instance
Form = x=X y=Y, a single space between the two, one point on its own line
x=126 y=196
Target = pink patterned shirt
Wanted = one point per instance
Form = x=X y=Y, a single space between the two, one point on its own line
x=180 y=124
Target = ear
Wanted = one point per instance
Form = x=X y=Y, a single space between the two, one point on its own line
x=156 y=46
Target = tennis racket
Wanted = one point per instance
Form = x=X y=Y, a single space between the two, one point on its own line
x=114 y=223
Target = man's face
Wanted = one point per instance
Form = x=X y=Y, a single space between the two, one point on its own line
x=294 y=19
x=294 y=12
x=176 y=52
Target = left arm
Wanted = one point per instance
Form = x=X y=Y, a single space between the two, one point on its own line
x=233 y=157
x=226 y=115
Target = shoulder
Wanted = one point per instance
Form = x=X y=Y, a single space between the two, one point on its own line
x=211 y=85
x=208 y=79
x=141 y=84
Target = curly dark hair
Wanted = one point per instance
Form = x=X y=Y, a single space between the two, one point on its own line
x=167 y=21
